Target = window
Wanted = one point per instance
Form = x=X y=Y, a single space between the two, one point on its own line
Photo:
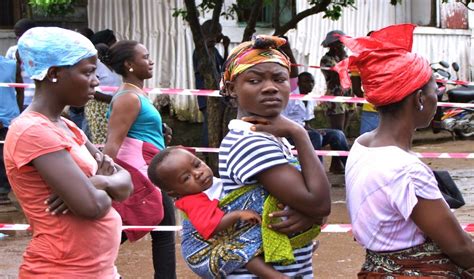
x=10 y=12
x=265 y=19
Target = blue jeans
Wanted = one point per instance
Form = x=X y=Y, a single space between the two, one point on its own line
x=79 y=118
x=369 y=120
x=332 y=137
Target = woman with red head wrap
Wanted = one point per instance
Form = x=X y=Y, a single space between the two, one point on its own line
x=397 y=211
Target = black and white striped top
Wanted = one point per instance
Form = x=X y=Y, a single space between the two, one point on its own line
x=242 y=155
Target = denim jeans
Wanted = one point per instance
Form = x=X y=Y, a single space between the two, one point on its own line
x=369 y=120
x=79 y=118
x=337 y=140
x=332 y=137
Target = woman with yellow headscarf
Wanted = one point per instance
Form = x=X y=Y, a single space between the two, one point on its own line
x=255 y=152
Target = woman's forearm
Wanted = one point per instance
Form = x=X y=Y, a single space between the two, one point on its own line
x=315 y=178
x=119 y=185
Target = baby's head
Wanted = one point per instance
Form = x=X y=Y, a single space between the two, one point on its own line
x=178 y=172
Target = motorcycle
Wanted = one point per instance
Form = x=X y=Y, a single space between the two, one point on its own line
x=457 y=121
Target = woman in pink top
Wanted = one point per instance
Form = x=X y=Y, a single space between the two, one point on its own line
x=397 y=211
x=64 y=185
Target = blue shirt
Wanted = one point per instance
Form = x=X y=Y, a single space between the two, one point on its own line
x=8 y=104
x=147 y=127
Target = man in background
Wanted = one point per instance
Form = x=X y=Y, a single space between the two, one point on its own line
x=303 y=111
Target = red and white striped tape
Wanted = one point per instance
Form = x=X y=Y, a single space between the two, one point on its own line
x=340 y=153
x=327 y=228
x=215 y=93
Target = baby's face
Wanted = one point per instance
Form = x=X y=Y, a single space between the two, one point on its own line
x=185 y=174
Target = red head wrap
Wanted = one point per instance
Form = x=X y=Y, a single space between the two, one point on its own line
x=388 y=70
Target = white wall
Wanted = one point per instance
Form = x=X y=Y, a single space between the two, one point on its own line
x=170 y=43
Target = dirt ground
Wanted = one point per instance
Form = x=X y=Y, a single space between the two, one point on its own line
x=338 y=254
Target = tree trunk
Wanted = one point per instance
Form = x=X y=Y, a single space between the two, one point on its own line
x=208 y=71
x=250 y=28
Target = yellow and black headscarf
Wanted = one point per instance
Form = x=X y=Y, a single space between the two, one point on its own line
x=262 y=49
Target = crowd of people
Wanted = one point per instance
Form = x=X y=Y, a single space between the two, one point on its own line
x=242 y=222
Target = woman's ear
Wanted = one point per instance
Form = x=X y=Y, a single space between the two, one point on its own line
x=419 y=99
x=229 y=86
x=127 y=65
x=53 y=74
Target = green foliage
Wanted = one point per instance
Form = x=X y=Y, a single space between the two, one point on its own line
x=52 y=7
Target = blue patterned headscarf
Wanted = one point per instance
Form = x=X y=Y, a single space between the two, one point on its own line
x=41 y=48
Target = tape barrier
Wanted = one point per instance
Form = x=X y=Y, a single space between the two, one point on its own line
x=327 y=228
x=153 y=92
x=340 y=153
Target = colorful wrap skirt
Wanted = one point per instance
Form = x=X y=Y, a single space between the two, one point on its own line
x=422 y=261
x=230 y=249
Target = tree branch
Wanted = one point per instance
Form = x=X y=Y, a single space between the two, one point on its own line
x=250 y=28
x=216 y=13
x=321 y=7
x=276 y=14
x=200 y=47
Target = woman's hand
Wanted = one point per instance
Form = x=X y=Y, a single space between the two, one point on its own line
x=106 y=165
x=279 y=126
x=293 y=221
x=168 y=133
x=55 y=205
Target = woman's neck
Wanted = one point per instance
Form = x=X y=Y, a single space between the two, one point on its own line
x=134 y=81
x=48 y=107
x=394 y=132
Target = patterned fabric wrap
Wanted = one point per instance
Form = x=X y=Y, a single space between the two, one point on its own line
x=96 y=118
x=425 y=261
x=262 y=49
x=228 y=250
x=41 y=48
x=231 y=249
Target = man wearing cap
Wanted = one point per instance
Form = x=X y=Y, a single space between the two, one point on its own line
x=338 y=113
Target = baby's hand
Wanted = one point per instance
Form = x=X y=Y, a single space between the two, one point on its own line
x=279 y=126
x=250 y=216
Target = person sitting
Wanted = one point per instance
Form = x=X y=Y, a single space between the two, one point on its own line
x=397 y=211
x=303 y=111
x=187 y=178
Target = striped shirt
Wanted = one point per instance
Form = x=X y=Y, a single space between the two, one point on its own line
x=242 y=155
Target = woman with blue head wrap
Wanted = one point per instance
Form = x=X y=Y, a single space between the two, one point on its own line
x=63 y=183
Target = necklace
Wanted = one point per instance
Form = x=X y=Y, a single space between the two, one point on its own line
x=133 y=85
